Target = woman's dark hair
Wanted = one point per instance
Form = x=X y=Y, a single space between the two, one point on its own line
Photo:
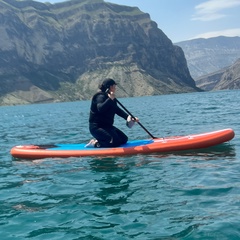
x=106 y=84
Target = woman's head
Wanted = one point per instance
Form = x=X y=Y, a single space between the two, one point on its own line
x=106 y=84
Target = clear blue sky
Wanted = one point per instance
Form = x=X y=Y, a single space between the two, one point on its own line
x=182 y=20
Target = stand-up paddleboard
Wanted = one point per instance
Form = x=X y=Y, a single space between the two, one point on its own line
x=161 y=145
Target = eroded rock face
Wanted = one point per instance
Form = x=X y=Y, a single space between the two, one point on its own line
x=206 y=56
x=224 y=79
x=66 y=49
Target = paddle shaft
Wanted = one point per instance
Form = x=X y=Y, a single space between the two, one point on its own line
x=135 y=119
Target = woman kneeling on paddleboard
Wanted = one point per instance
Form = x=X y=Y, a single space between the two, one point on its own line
x=103 y=109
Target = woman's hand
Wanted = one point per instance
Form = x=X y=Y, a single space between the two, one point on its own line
x=135 y=119
x=111 y=95
x=131 y=121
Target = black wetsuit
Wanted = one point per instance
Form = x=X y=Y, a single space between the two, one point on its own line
x=101 y=121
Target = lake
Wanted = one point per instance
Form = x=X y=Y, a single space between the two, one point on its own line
x=189 y=195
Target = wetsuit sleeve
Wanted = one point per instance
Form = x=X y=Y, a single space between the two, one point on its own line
x=103 y=103
x=121 y=113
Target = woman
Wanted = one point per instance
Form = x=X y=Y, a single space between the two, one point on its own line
x=103 y=109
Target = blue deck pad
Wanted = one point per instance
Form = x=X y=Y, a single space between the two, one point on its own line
x=136 y=143
x=81 y=146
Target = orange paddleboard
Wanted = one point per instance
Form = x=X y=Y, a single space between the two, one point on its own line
x=161 y=145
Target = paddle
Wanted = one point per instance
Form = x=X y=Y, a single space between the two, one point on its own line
x=135 y=119
x=108 y=91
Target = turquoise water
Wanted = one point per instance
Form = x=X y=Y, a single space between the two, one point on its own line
x=192 y=195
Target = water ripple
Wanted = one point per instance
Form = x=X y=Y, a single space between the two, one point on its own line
x=190 y=195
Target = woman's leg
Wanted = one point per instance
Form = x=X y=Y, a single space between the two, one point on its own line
x=109 y=137
x=119 y=137
x=103 y=137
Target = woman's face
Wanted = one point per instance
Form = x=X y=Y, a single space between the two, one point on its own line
x=113 y=88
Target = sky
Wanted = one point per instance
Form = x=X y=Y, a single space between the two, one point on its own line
x=183 y=20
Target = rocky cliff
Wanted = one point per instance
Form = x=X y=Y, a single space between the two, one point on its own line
x=205 y=56
x=60 y=52
x=227 y=78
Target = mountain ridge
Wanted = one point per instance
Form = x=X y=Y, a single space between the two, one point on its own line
x=227 y=78
x=64 y=50
x=205 y=56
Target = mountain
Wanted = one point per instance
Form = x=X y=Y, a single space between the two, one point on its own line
x=227 y=78
x=60 y=52
x=205 y=56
